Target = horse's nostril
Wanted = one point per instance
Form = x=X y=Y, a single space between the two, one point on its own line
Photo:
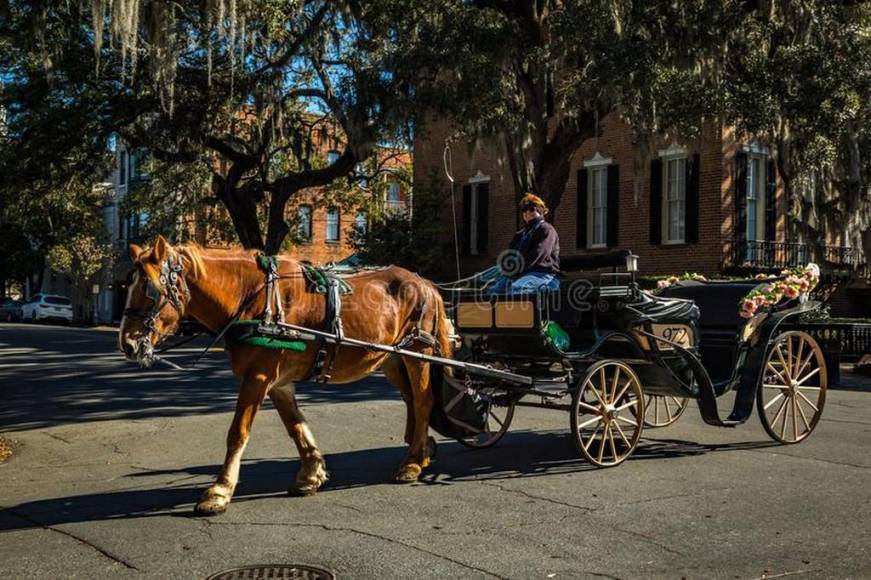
x=128 y=349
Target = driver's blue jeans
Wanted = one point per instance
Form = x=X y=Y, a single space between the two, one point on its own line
x=528 y=283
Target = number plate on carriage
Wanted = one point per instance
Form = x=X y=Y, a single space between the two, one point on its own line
x=678 y=333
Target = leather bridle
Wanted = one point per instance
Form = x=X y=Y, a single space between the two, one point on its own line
x=173 y=291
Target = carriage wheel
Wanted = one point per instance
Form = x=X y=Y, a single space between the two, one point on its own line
x=791 y=397
x=498 y=420
x=663 y=410
x=607 y=414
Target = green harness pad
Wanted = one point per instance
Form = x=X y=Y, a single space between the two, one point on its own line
x=245 y=332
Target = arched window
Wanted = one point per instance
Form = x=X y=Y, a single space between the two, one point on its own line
x=332 y=156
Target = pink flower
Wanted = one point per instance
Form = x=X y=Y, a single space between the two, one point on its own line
x=790 y=291
x=662 y=284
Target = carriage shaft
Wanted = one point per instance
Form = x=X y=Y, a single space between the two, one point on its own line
x=309 y=334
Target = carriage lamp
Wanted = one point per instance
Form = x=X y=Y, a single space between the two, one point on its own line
x=631 y=263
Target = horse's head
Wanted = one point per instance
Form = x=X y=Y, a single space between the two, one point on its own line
x=156 y=300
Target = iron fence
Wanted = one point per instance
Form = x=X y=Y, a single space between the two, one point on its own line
x=765 y=255
x=853 y=339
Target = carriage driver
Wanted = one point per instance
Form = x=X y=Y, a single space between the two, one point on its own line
x=532 y=262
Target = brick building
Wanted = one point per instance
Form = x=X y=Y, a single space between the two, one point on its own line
x=713 y=205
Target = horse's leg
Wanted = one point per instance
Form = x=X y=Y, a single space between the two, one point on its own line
x=313 y=473
x=216 y=499
x=421 y=446
x=394 y=370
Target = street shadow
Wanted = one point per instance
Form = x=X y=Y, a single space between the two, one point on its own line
x=520 y=455
x=59 y=375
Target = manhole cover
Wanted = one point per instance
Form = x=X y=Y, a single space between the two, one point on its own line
x=275 y=572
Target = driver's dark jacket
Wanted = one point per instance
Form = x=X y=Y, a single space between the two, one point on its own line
x=538 y=244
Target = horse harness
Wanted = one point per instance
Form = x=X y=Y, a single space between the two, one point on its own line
x=333 y=287
x=173 y=290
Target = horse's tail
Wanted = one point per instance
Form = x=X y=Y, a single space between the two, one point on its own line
x=443 y=327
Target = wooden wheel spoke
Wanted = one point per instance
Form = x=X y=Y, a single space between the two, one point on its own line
x=588 y=408
x=808 y=401
x=805 y=363
x=779 y=411
x=783 y=362
x=623 y=390
x=794 y=420
x=629 y=421
x=625 y=406
x=808 y=388
x=785 y=419
x=603 y=383
x=501 y=424
x=595 y=392
x=622 y=434
x=789 y=357
x=773 y=400
x=590 y=422
x=809 y=375
x=614 y=382
x=613 y=445
x=602 y=444
x=807 y=425
x=592 y=437
x=797 y=359
x=780 y=376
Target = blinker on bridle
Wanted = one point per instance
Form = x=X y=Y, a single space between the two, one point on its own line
x=171 y=281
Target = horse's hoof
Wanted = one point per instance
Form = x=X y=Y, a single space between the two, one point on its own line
x=210 y=507
x=304 y=490
x=407 y=474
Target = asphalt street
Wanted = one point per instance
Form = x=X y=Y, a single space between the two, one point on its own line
x=110 y=459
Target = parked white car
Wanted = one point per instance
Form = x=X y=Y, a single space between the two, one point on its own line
x=47 y=307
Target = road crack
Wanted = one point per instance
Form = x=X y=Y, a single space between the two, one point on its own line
x=828 y=461
x=79 y=539
x=539 y=497
x=367 y=534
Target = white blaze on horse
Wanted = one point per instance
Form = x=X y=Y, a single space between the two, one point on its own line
x=386 y=306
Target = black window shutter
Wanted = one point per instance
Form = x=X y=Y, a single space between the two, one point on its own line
x=581 y=226
x=741 y=197
x=656 y=202
x=483 y=216
x=770 y=202
x=613 y=227
x=692 y=200
x=467 y=219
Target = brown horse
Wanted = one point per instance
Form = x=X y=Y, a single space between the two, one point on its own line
x=213 y=286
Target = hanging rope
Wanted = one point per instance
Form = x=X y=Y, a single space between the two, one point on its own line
x=446 y=157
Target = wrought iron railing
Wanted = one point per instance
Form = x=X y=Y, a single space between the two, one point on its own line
x=765 y=256
x=853 y=339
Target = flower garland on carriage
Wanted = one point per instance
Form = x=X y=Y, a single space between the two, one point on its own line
x=792 y=283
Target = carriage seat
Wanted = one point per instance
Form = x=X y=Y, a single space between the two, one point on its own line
x=718 y=301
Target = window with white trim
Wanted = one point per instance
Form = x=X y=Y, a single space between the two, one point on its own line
x=332 y=156
x=597 y=225
x=756 y=185
x=332 y=225
x=674 y=199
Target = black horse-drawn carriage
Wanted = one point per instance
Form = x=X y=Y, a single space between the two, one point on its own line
x=618 y=359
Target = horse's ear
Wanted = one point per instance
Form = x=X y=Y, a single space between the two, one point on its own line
x=160 y=250
x=134 y=252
